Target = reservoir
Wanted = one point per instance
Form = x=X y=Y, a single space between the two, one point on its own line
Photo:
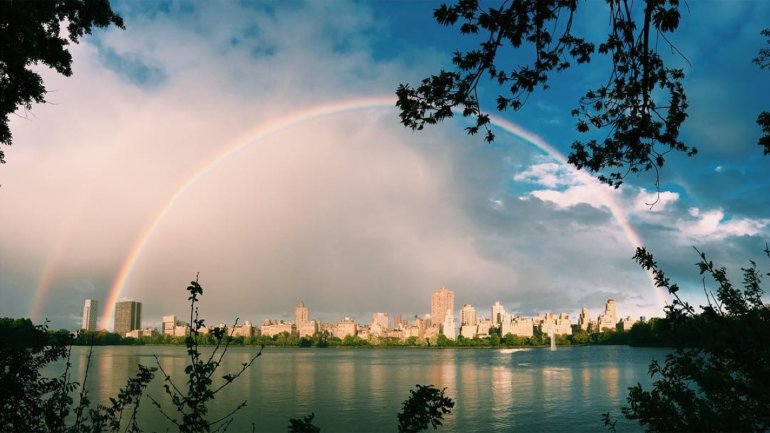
x=362 y=389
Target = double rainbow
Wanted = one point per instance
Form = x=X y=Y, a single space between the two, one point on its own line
x=296 y=118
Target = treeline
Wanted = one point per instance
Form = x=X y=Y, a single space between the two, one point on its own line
x=655 y=332
x=579 y=337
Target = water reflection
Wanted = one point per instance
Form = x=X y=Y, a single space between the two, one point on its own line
x=443 y=371
x=104 y=383
x=304 y=378
x=557 y=382
x=502 y=393
x=345 y=373
x=585 y=383
x=610 y=377
x=361 y=390
x=377 y=380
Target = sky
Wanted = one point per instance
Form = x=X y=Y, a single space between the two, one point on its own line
x=256 y=145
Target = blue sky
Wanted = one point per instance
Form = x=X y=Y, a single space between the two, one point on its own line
x=352 y=213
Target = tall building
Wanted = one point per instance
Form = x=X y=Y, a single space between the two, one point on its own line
x=174 y=327
x=168 y=325
x=301 y=314
x=609 y=319
x=584 y=320
x=90 y=312
x=497 y=314
x=381 y=321
x=448 y=326
x=128 y=316
x=442 y=301
x=467 y=315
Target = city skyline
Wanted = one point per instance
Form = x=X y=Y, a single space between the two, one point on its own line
x=287 y=174
x=452 y=324
x=420 y=330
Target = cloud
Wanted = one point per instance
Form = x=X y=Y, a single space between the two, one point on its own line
x=713 y=226
x=351 y=213
x=548 y=174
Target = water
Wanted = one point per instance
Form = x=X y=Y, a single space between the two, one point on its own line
x=361 y=390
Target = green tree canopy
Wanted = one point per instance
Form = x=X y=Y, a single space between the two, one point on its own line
x=31 y=33
x=632 y=118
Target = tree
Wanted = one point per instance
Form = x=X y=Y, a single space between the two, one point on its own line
x=32 y=402
x=303 y=425
x=641 y=107
x=29 y=401
x=763 y=120
x=425 y=406
x=30 y=33
x=718 y=378
x=494 y=340
x=191 y=405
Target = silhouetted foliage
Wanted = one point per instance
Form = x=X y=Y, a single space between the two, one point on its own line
x=425 y=406
x=30 y=402
x=31 y=33
x=111 y=418
x=763 y=120
x=653 y=333
x=303 y=425
x=641 y=107
x=191 y=406
x=718 y=378
x=104 y=338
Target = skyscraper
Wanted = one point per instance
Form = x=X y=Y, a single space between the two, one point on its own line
x=467 y=315
x=128 y=316
x=584 y=320
x=441 y=301
x=609 y=319
x=448 y=325
x=90 y=312
x=301 y=314
x=497 y=314
x=381 y=320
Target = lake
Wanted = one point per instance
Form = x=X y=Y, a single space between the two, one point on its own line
x=361 y=389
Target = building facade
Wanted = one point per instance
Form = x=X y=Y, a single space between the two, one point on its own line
x=301 y=314
x=448 y=327
x=380 y=323
x=468 y=315
x=307 y=329
x=518 y=326
x=271 y=329
x=90 y=313
x=497 y=314
x=584 y=320
x=441 y=302
x=345 y=327
x=609 y=319
x=128 y=317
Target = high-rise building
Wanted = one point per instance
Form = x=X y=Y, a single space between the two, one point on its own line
x=128 y=316
x=448 y=326
x=584 y=320
x=381 y=321
x=467 y=315
x=441 y=301
x=497 y=314
x=609 y=319
x=90 y=312
x=301 y=314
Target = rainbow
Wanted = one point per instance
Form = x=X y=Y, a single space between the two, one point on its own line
x=296 y=118
x=54 y=259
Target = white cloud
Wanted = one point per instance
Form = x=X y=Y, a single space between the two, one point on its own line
x=712 y=225
x=548 y=174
